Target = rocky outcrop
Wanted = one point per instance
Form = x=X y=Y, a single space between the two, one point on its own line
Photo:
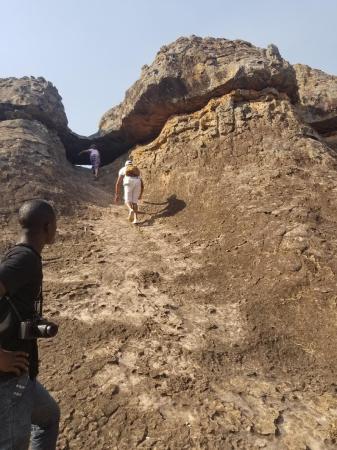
x=255 y=189
x=317 y=98
x=36 y=99
x=32 y=164
x=186 y=75
x=242 y=179
x=33 y=159
x=259 y=186
x=32 y=99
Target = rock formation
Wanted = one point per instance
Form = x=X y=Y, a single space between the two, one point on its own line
x=33 y=130
x=184 y=76
x=33 y=99
x=318 y=101
x=317 y=97
x=238 y=153
x=261 y=190
x=188 y=73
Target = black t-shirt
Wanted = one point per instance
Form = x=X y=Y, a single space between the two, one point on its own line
x=21 y=274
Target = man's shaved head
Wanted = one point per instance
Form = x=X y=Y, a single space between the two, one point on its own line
x=35 y=215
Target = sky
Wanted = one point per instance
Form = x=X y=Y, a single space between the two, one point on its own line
x=93 y=50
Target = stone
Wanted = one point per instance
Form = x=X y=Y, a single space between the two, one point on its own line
x=240 y=174
x=32 y=98
x=185 y=75
x=317 y=105
x=33 y=164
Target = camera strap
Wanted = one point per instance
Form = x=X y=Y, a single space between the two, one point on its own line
x=39 y=303
x=11 y=304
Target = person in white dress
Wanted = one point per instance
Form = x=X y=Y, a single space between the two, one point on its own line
x=129 y=177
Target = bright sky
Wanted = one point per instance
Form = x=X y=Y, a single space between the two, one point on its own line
x=93 y=50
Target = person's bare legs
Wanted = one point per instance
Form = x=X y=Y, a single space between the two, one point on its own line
x=135 y=210
x=131 y=210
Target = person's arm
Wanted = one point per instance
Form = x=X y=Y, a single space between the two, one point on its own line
x=84 y=151
x=142 y=189
x=118 y=187
x=12 y=362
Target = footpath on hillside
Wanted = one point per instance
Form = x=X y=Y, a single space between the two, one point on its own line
x=141 y=359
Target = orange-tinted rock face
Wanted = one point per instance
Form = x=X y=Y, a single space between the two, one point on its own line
x=186 y=74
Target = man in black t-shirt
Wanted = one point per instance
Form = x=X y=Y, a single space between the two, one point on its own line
x=27 y=409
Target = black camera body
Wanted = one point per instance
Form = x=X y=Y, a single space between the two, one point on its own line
x=37 y=328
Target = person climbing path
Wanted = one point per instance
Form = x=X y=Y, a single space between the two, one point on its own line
x=95 y=159
x=129 y=176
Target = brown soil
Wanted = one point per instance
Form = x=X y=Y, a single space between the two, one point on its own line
x=155 y=351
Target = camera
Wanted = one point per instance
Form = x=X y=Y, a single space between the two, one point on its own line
x=37 y=328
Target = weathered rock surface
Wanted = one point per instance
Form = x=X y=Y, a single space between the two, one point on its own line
x=33 y=99
x=33 y=165
x=256 y=189
x=318 y=98
x=191 y=71
x=217 y=315
x=186 y=74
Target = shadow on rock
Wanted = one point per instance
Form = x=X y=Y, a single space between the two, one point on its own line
x=171 y=207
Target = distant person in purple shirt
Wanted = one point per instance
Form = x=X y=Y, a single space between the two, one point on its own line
x=95 y=159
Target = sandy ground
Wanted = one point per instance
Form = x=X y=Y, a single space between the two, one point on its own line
x=152 y=349
x=148 y=354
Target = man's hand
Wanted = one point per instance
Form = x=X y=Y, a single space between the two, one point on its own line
x=13 y=362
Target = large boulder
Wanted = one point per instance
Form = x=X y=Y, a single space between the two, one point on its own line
x=32 y=98
x=186 y=74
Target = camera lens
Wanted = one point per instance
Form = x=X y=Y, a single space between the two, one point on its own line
x=47 y=330
x=51 y=330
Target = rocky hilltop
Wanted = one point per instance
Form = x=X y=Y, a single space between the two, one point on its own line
x=217 y=314
x=188 y=73
x=184 y=76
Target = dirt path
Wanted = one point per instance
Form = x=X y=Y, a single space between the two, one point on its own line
x=147 y=352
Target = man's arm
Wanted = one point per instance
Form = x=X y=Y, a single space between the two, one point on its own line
x=142 y=189
x=84 y=151
x=12 y=362
x=118 y=187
